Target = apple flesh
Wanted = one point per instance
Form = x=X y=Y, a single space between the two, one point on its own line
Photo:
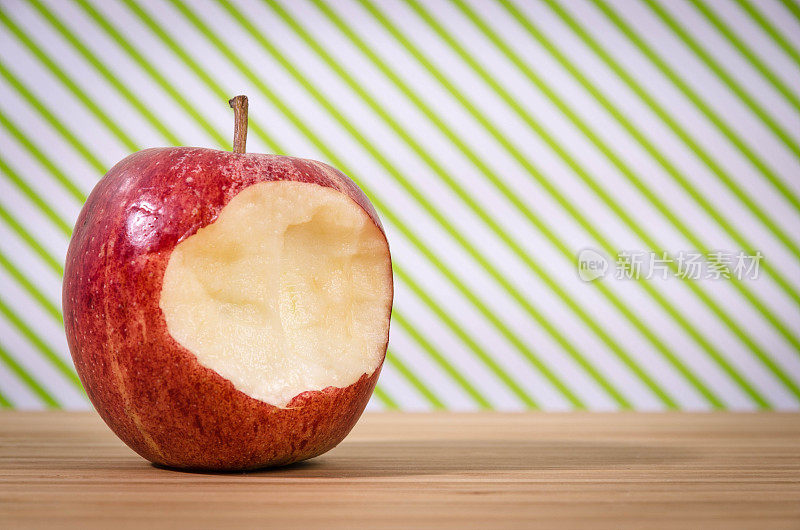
x=227 y=311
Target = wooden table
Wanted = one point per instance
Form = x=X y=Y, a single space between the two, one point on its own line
x=486 y=470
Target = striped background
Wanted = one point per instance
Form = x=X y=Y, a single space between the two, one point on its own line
x=496 y=139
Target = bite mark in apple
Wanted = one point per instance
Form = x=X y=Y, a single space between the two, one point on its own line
x=279 y=294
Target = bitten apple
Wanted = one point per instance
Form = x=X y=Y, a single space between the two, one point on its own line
x=224 y=310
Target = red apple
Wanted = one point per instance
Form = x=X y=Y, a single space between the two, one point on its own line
x=227 y=310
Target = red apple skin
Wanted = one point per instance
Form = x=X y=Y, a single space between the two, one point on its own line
x=150 y=390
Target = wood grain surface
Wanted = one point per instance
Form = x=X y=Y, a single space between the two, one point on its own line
x=443 y=470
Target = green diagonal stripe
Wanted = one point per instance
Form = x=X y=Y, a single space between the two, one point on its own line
x=411 y=377
x=466 y=338
x=699 y=103
x=768 y=28
x=25 y=235
x=793 y=8
x=22 y=374
x=76 y=91
x=222 y=141
x=462 y=381
x=197 y=70
x=724 y=77
x=107 y=74
x=31 y=288
x=46 y=351
x=28 y=95
x=42 y=158
x=747 y=53
x=34 y=197
x=385 y=398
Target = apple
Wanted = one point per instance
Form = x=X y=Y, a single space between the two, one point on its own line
x=227 y=310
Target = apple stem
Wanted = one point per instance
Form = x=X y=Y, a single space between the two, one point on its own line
x=239 y=106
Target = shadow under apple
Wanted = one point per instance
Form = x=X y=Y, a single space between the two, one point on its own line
x=357 y=459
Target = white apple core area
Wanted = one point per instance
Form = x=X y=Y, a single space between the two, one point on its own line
x=289 y=290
